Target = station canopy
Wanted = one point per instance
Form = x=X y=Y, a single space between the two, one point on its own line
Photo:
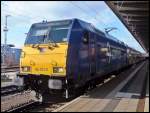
x=135 y=16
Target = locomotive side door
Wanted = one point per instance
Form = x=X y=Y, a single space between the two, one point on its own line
x=84 y=62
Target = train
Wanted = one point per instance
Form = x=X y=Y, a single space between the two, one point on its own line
x=60 y=57
x=10 y=56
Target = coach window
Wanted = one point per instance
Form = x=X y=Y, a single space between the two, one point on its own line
x=86 y=38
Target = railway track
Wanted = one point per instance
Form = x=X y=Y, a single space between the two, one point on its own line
x=17 y=101
x=24 y=107
x=9 y=69
x=7 y=90
x=25 y=102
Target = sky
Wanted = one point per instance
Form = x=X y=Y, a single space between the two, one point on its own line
x=25 y=13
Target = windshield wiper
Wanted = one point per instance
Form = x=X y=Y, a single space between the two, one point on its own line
x=44 y=36
x=50 y=39
x=50 y=44
x=54 y=44
x=38 y=43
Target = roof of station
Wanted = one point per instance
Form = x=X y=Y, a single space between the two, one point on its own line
x=135 y=16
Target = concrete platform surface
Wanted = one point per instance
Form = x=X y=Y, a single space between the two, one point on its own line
x=106 y=97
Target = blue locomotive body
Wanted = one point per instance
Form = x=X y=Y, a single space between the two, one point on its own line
x=92 y=53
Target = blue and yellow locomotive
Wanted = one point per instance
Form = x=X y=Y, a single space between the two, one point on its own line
x=59 y=57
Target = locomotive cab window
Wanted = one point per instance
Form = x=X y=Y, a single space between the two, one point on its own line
x=37 y=35
x=58 y=33
x=45 y=33
x=39 y=31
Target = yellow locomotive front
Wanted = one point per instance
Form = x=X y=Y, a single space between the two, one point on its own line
x=44 y=55
x=44 y=59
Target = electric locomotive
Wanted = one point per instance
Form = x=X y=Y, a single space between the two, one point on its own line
x=59 y=57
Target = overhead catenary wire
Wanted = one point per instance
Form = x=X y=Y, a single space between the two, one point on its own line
x=16 y=14
x=28 y=17
x=25 y=16
x=21 y=15
x=83 y=10
x=94 y=10
x=87 y=13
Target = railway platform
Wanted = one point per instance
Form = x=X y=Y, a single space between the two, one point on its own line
x=128 y=92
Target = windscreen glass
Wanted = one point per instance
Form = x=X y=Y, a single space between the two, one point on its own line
x=54 y=33
x=58 y=33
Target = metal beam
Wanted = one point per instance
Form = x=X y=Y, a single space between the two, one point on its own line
x=133 y=5
x=138 y=24
x=130 y=2
x=137 y=20
x=141 y=28
x=132 y=9
x=141 y=18
x=135 y=15
x=135 y=12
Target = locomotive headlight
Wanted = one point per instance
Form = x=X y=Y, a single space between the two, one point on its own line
x=22 y=54
x=26 y=68
x=58 y=69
